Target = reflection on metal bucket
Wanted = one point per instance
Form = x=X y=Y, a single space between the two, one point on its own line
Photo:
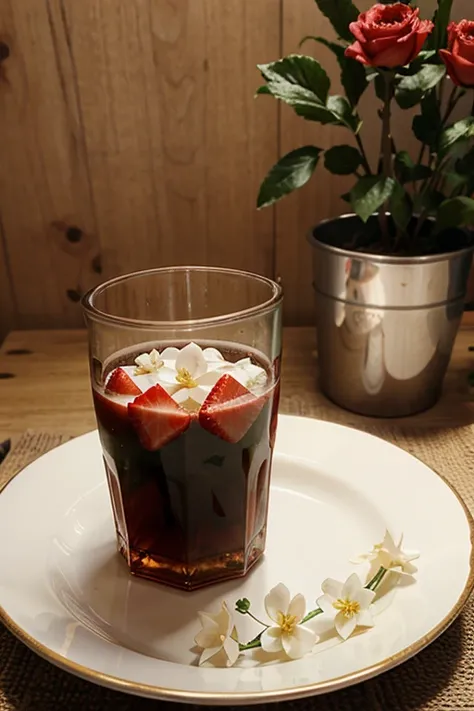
x=386 y=326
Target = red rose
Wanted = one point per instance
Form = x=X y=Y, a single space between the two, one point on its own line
x=459 y=57
x=388 y=35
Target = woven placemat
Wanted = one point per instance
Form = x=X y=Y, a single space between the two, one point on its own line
x=441 y=677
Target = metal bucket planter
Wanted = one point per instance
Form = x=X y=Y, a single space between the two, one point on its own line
x=386 y=325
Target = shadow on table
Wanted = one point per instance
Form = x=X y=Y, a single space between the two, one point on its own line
x=32 y=684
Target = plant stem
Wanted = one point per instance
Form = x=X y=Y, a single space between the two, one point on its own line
x=386 y=147
x=253 y=644
x=430 y=184
x=310 y=615
x=421 y=157
x=386 y=153
x=373 y=584
x=256 y=619
x=377 y=579
x=452 y=102
x=365 y=161
x=442 y=84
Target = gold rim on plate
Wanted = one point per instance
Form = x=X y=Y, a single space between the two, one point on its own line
x=243 y=697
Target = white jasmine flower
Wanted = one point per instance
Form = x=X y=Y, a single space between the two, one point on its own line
x=148 y=363
x=189 y=374
x=212 y=355
x=369 y=556
x=169 y=356
x=349 y=603
x=251 y=376
x=188 y=378
x=218 y=638
x=389 y=555
x=287 y=634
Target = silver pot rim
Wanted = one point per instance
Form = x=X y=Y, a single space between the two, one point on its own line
x=379 y=258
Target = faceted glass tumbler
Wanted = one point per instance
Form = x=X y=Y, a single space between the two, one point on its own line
x=189 y=486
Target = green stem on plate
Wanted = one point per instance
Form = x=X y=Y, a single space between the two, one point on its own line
x=373 y=584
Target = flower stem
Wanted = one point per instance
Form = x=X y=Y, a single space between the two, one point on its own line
x=253 y=644
x=256 y=619
x=365 y=161
x=374 y=583
x=386 y=153
x=452 y=102
x=310 y=615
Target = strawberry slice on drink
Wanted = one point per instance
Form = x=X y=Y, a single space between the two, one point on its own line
x=120 y=383
x=230 y=410
x=157 y=418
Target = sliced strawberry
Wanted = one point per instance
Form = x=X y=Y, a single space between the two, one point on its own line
x=230 y=409
x=157 y=418
x=120 y=383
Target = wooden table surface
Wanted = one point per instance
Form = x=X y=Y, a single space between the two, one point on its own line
x=44 y=384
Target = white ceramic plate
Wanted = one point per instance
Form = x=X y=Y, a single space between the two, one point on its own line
x=66 y=593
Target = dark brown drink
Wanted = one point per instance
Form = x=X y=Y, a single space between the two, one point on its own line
x=189 y=488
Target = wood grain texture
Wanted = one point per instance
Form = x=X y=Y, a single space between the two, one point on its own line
x=54 y=375
x=130 y=138
x=7 y=301
x=134 y=123
x=43 y=175
x=175 y=143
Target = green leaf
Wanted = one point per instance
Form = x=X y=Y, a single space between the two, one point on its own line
x=354 y=77
x=459 y=131
x=411 y=89
x=407 y=171
x=291 y=172
x=465 y=165
x=429 y=201
x=380 y=86
x=242 y=606
x=370 y=194
x=456 y=212
x=263 y=91
x=338 y=49
x=438 y=38
x=299 y=72
x=401 y=207
x=303 y=102
x=427 y=126
x=342 y=160
x=340 y=14
x=454 y=182
x=343 y=113
x=303 y=84
x=415 y=66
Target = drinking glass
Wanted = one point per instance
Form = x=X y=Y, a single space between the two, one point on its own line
x=185 y=371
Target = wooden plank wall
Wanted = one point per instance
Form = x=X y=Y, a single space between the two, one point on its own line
x=130 y=138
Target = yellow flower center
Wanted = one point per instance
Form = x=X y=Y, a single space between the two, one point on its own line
x=287 y=623
x=349 y=608
x=185 y=378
